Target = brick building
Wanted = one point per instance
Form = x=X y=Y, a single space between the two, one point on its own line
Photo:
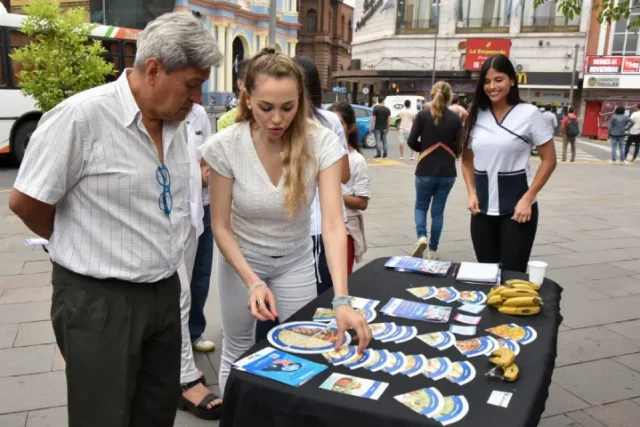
x=325 y=36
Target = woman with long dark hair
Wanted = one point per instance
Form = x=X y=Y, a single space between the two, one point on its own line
x=357 y=190
x=435 y=135
x=499 y=133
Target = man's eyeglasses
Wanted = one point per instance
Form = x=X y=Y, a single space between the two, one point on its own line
x=166 y=199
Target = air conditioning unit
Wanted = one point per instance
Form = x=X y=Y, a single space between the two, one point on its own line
x=519 y=67
x=356 y=64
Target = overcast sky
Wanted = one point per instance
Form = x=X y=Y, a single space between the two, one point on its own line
x=350 y=2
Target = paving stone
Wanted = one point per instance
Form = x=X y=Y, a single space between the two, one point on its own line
x=616 y=287
x=25 y=281
x=584 y=419
x=35 y=333
x=558 y=421
x=31 y=267
x=602 y=244
x=58 y=363
x=594 y=269
x=51 y=417
x=599 y=382
x=24 y=312
x=632 y=265
x=11 y=269
x=582 y=314
x=8 y=335
x=630 y=329
x=13 y=420
x=25 y=360
x=12 y=296
x=545 y=250
x=185 y=419
x=618 y=414
x=33 y=392
x=561 y=401
x=595 y=343
x=630 y=361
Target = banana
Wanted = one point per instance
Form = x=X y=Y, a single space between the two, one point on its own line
x=522 y=286
x=519 y=311
x=495 y=291
x=502 y=357
x=495 y=300
x=532 y=285
x=522 y=302
x=511 y=372
x=510 y=293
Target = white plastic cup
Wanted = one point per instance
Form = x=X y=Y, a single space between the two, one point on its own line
x=537 y=270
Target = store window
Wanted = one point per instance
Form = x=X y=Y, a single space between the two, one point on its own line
x=547 y=18
x=417 y=15
x=625 y=41
x=482 y=15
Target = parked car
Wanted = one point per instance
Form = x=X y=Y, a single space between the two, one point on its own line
x=363 y=124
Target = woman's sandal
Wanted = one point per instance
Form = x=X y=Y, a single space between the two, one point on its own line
x=202 y=409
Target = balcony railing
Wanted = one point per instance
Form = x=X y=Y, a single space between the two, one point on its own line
x=417 y=26
x=540 y=24
x=483 y=25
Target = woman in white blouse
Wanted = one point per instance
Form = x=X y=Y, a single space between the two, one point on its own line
x=263 y=174
x=499 y=133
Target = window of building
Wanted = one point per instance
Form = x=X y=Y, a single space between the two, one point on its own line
x=343 y=29
x=547 y=18
x=417 y=15
x=625 y=41
x=311 y=22
x=17 y=40
x=480 y=15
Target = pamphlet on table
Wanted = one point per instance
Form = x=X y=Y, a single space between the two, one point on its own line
x=397 y=307
x=354 y=386
x=419 y=265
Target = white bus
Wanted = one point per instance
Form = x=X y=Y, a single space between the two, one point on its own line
x=18 y=113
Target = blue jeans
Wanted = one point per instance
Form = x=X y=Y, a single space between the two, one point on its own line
x=617 y=142
x=436 y=188
x=381 y=142
x=201 y=278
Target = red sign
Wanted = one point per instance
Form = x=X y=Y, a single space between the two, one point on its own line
x=612 y=65
x=478 y=50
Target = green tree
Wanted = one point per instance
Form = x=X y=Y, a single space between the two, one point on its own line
x=608 y=10
x=59 y=61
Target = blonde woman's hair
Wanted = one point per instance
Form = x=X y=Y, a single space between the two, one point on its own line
x=440 y=97
x=297 y=155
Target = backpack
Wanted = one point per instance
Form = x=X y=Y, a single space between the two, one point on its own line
x=572 y=128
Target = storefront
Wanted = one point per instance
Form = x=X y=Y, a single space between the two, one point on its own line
x=609 y=82
x=547 y=88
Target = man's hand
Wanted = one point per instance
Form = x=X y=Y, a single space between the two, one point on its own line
x=36 y=215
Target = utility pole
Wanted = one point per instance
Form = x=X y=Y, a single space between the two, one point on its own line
x=435 y=44
x=104 y=12
x=573 y=74
x=272 y=23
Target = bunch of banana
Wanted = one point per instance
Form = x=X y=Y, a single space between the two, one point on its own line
x=505 y=369
x=516 y=297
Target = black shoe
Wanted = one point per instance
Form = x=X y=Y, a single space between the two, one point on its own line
x=377 y=157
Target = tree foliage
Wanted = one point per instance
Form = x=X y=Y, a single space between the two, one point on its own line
x=60 y=61
x=608 y=10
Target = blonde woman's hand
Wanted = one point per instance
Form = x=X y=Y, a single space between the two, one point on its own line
x=262 y=304
x=347 y=318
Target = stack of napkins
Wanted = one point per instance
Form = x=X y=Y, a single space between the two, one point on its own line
x=474 y=272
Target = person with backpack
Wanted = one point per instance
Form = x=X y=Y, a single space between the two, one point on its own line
x=569 y=130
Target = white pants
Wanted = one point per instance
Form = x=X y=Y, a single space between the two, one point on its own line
x=292 y=280
x=188 y=370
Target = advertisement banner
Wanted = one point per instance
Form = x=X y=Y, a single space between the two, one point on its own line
x=612 y=65
x=478 y=50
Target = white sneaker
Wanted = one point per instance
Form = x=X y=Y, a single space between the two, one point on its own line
x=432 y=255
x=203 y=346
x=413 y=158
x=611 y=162
x=401 y=157
x=625 y=163
x=421 y=245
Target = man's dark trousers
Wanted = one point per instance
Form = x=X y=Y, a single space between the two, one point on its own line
x=121 y=343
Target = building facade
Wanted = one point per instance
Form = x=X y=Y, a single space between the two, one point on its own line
x=395 y=40
x=325 y=36
x=611 y=73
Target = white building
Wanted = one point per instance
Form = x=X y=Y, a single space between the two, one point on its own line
x=394 y=41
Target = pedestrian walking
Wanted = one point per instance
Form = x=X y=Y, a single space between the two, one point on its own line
x=406 y=117
x=634 y=135
x=550 y=118
x=569 y=130
x=264 y=170
x=458 y=109
x=495 y=164
x=380 y=122
x=618 y=127
x=435 y=135
x=357 y=191
x=106 y=180
x=229 y=118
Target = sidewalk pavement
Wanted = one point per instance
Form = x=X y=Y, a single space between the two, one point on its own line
x=587 y=233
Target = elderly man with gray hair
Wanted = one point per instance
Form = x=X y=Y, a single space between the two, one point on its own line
x=106 y=180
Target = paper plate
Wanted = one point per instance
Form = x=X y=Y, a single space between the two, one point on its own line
x=305 y=337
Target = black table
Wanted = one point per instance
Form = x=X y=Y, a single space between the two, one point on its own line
x=253 y=401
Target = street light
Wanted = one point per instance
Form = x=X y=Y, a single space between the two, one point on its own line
x=573 y=74
x=435 y=44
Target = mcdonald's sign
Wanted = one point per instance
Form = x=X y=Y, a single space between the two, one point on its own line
x=521 y=78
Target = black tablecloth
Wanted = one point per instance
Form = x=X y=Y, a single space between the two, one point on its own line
x=253 y=401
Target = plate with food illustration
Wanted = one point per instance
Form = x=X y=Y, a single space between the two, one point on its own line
x=440 y=340
x=305 y=337
x=427 y=401
x=328 y=315
x=449 y=294
x=521 y=334
x=473 y=297
x=423 y=292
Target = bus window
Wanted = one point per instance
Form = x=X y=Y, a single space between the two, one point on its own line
x=129 y=54
x=112 y=55
x=17 y=39
x=2 y=55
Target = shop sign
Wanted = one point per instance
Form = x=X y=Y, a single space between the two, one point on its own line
x=368 y=9
x=612 y=65
x=478 y=50
x=603 y=81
